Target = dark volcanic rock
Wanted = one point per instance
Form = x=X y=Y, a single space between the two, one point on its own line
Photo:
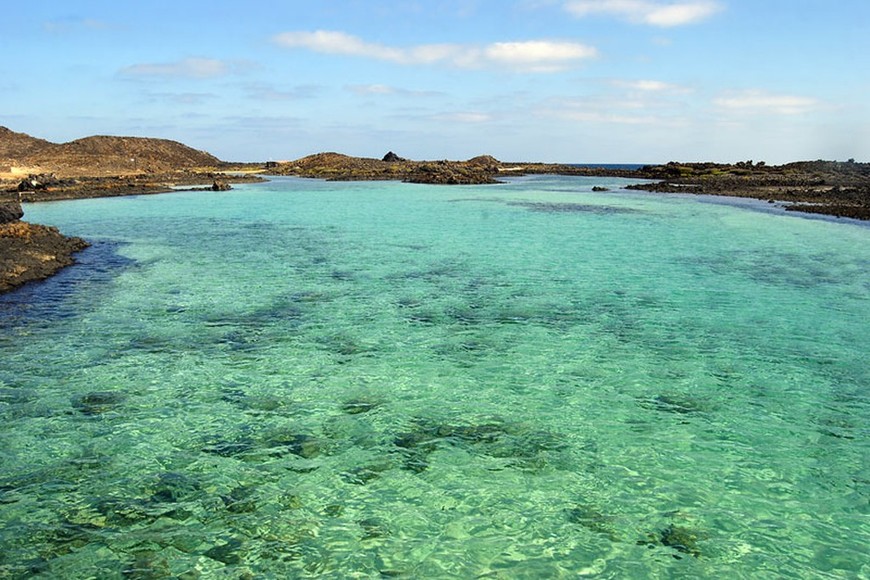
x=335 y=166
x=219 y=185
x=450 y=173
x=31 y=252
x=824 y=187
x=391 y=157
x=39 y=182
x=10 y=212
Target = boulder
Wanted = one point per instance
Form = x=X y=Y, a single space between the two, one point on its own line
x=391 y=157
x=219 y=185
x=38 y=182
x=485 y=162
x=10 y=212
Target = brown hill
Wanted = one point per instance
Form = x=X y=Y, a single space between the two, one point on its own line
x=17 y=146
x=118 y=155
x=100 y=155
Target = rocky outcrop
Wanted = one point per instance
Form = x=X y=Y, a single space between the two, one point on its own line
x=30 y=252
x=338 y=167
x=41 y=182
x=485 y=163
x=825 y=187
x=391 y=157
x=118 y=185
x=450 y=173
x=10 y=212
x=220 y=185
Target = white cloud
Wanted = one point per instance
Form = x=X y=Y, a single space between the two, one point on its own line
x=540 y=55
x=372 y=89
x=335 y=42
x=529 y=56
x=467 y=117
x=651 y=86
x=196 y=68
x=762 y=102
x=654 y=13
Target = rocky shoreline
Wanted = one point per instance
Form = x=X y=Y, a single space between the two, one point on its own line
x=833 y=188
x=30 y=252
x=840 y=189
x=48 y=187
x=104 y=166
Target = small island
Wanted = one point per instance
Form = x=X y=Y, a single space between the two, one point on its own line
x=35 y=170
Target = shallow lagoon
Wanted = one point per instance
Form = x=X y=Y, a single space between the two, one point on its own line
x=310 y=379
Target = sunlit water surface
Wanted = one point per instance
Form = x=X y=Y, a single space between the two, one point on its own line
x=528 y=380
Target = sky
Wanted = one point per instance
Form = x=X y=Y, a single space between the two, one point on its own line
x=573 y=81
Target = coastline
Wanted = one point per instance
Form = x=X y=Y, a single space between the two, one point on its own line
x=30 y=252
x=838 y=189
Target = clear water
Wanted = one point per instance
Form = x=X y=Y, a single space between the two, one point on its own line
x=528 y=380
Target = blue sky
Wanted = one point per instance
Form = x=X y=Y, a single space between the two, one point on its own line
x=537 y=80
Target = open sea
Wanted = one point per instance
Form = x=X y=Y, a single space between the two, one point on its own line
x=304 y=379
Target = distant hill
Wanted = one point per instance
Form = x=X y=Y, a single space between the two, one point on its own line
x=100 y=155
x=17 y=146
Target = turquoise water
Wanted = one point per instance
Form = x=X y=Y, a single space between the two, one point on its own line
x=528 y=380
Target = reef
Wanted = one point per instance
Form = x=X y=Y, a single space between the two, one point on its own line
x=681 y=539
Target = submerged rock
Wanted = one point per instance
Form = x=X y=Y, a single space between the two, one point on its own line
x=568 y=207
x=147 y=565
x=492 y=437
x=359 y=406
x=230 y=552
x=300 y=444
x=682 y=539
x=592 y=520
x=98 y=402
x=240 y=500
x=172 y=487
x=677 y=403
x=224 y=448
x=373 y=528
